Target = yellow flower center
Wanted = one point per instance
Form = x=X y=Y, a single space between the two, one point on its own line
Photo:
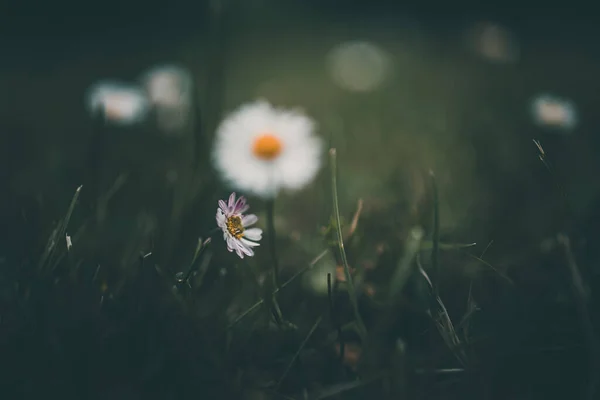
x=267 y=146
x=235 y=227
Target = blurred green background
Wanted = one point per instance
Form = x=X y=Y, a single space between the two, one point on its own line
x=442 y=106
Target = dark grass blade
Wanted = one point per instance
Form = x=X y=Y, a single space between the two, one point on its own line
x=333 y=315
x=58 y=235
x=579 y=293
x=256 y=305
x=297 y=354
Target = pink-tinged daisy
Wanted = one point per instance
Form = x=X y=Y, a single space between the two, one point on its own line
x=261 y=149
x=234 y=224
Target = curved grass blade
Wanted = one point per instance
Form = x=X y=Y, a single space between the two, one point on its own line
x=349 y=281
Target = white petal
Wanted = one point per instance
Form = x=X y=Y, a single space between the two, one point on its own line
x=230 y=241
x=248 y=243
x=231 y=202
x=246 y=250
x=249 y=219
x=254 y=234
x=223 y=206
x=221 y=219
x=238 y=251
x=244 y=209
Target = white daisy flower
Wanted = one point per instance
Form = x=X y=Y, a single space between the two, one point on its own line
x=121 y=103
x=169 y=90
x=551 y=111
x=233 y=222
x=261 y=149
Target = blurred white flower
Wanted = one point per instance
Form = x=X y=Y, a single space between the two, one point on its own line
x=170 y=91
x=121 y=103
x=234 y=224
x=494 y=42
x=552 y=111
x=358 y=66
x=261 y=149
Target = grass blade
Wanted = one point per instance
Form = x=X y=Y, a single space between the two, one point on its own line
x=59 y=233
x=336 y=211
x=283 y=285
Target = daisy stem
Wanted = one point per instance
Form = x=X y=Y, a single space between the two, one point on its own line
x=336 y=211
x=272 y=236
x=274 y=305
x=96 y=153
x=182 y=278
x=435 y=250
x=202 y=245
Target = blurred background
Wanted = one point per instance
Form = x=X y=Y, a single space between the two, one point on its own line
x=398 y=89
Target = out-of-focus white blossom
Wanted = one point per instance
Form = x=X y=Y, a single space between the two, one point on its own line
x=358 y=66
x=170 y=91
x=554 y=112
x=261 y=149
x=120 y=103
x=494 y=42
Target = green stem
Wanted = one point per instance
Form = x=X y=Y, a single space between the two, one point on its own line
x=338 y=225
x=272 y=247
x=272 y=235
x=435 y=250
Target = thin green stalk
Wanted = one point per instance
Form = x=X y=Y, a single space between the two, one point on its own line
x=546 y=162
x=435 y=250
x=272 y=234
x=272 y=245
x=202 y=245
x=336 y=211
x=333 y=316
x=96 y=156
